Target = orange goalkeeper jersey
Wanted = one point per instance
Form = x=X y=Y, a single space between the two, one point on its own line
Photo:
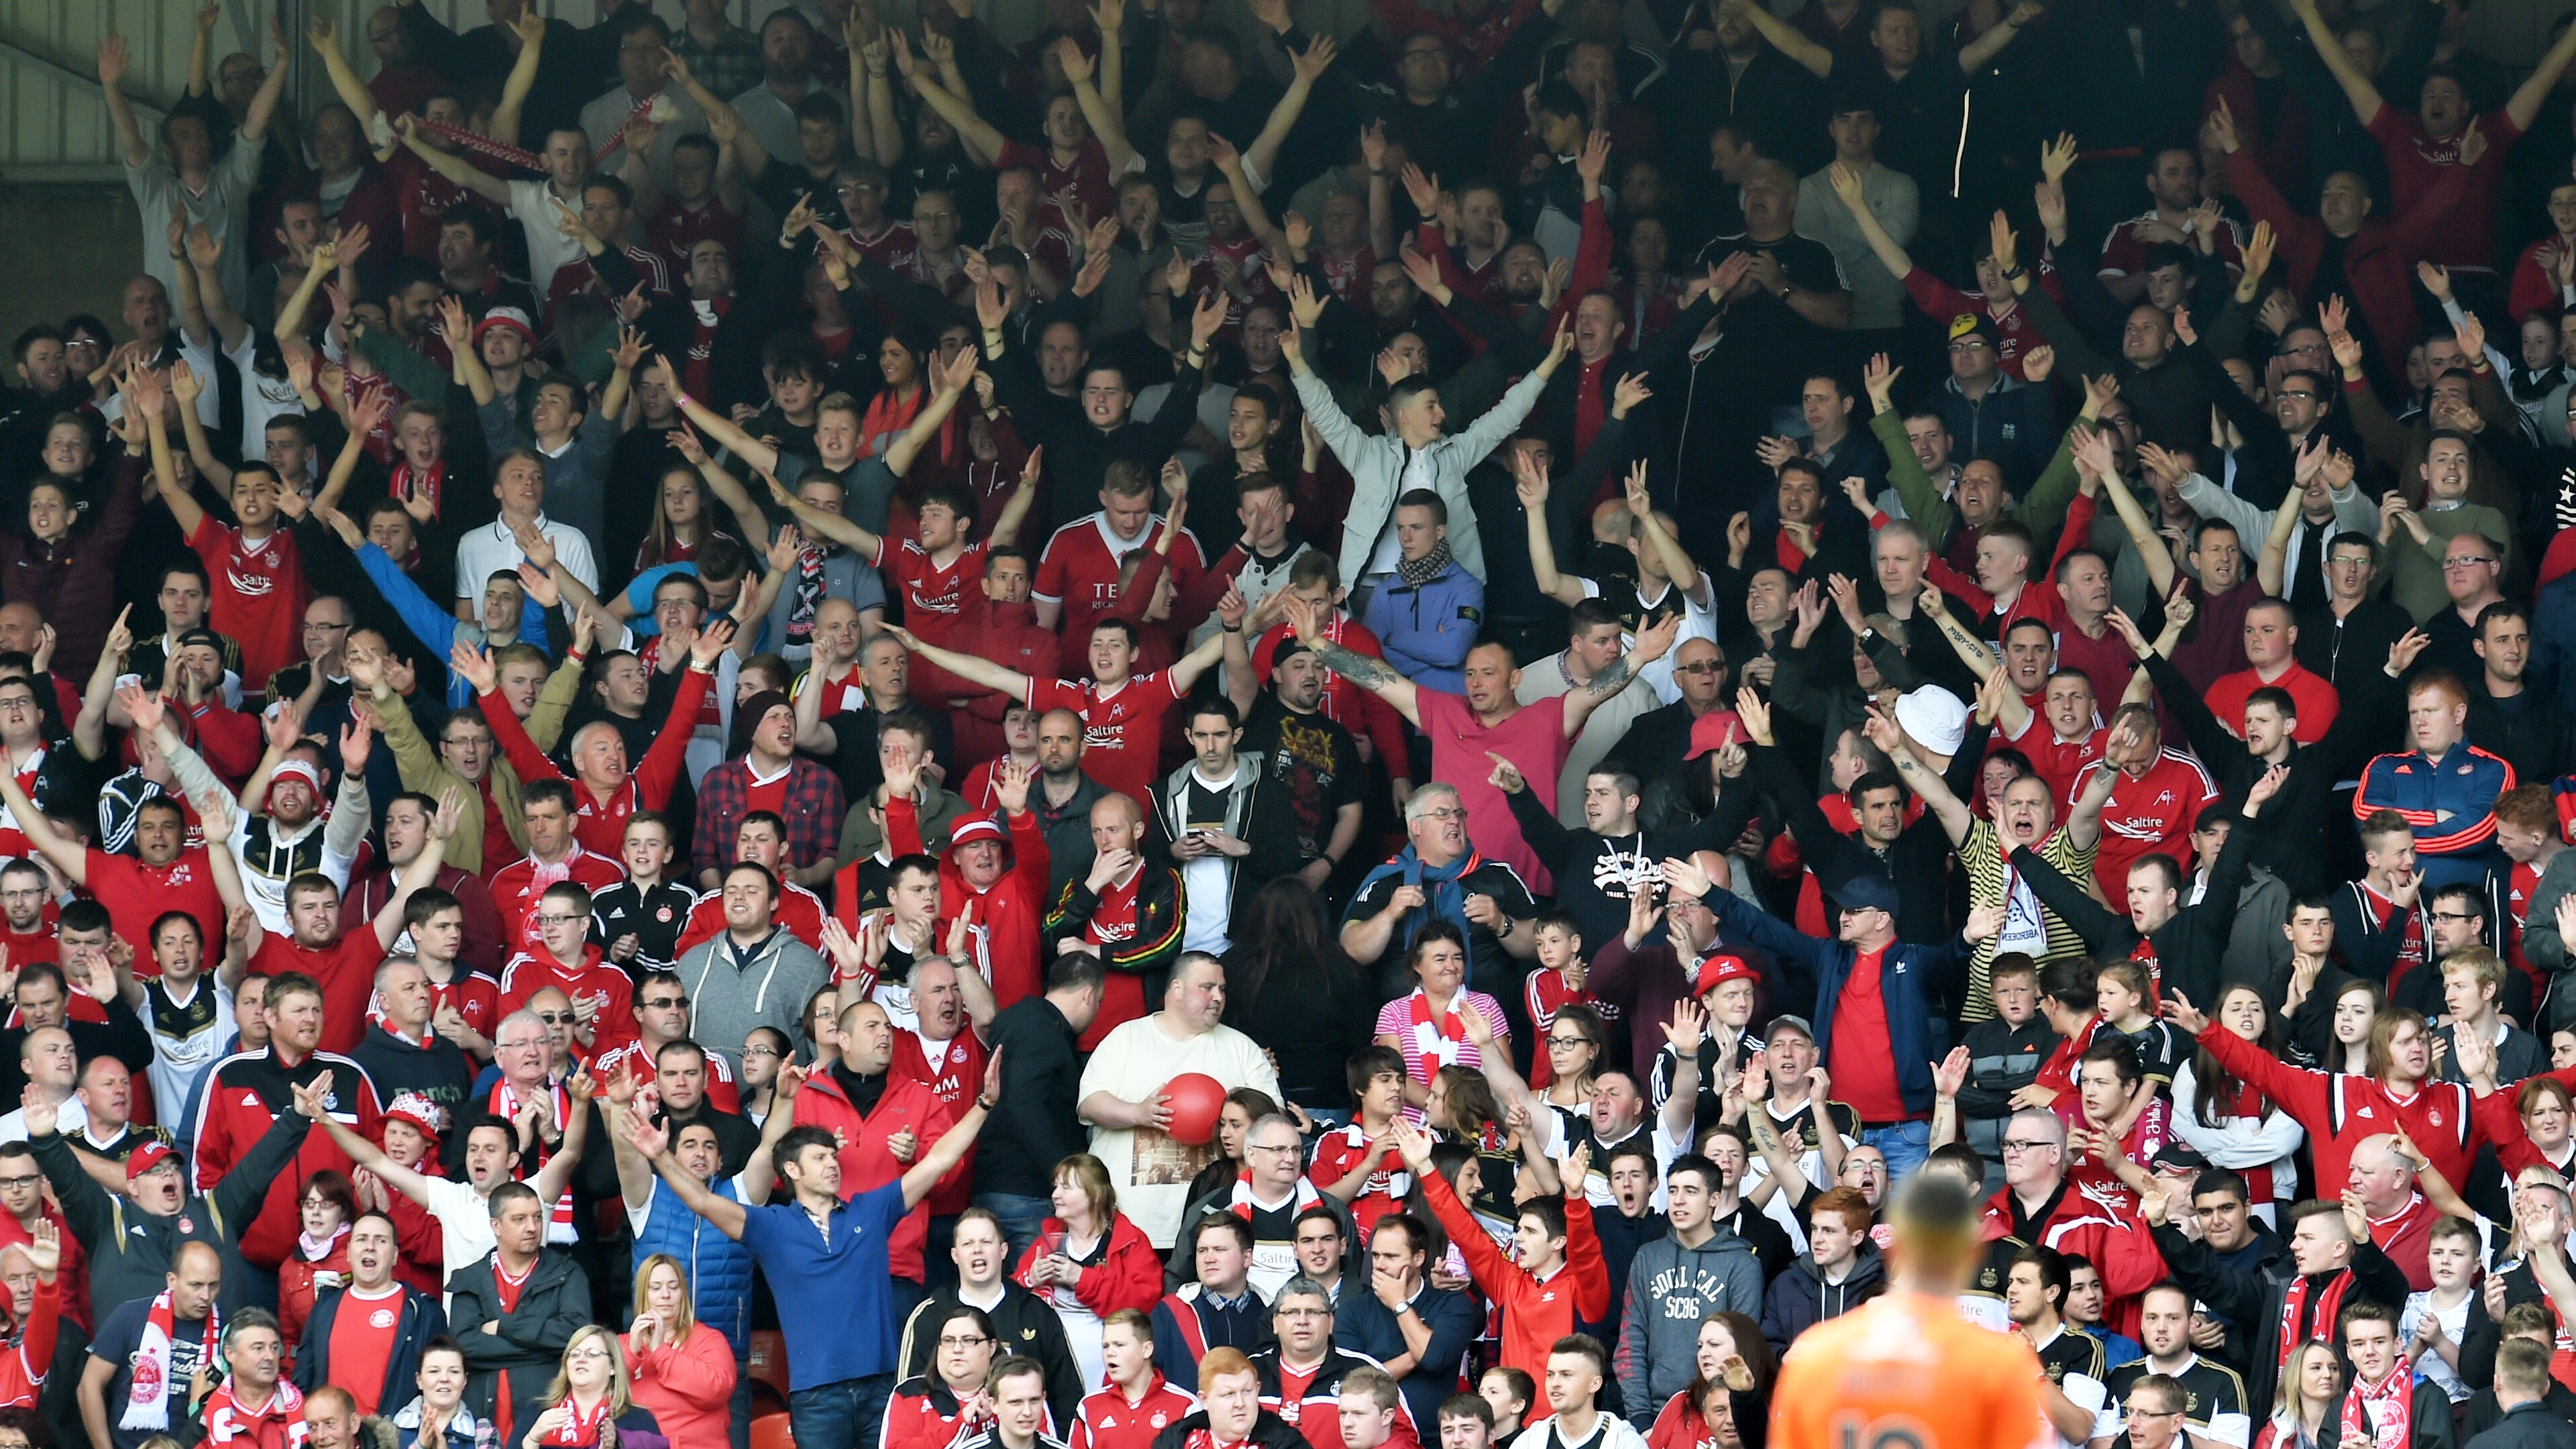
x=1906 y=1372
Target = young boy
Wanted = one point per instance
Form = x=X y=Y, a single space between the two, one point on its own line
x=1556 y=983
x=259 y=575
x=1507 y=1394
x=2436 y=1321
x=637 y=921
x=465 y=1004
x=2004 y=1055
x=1358 y=1164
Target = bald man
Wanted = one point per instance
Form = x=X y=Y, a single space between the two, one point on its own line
x=1125 y=911
x=886 y=1122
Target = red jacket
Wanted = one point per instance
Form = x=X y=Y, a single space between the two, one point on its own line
x=600 y=825
x=533 y=971
x=2095 y=1216
x=515 y=891
x=1536 y=1313
x=923 y=1414
x=245 y=1095
x=907 y=1106
x=2338 y=1111
x=2374 y=261
x=1006 y=942
x=22 y=1374
x=1128 y=1275
x=2533 y=289
x=1107 y=1421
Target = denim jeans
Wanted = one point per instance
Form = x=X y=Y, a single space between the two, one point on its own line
x=1905 y=1146
x=1020 y=1217
x=847 y=1414
x=741 y=1405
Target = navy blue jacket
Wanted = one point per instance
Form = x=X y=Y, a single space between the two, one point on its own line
x=1903 y=978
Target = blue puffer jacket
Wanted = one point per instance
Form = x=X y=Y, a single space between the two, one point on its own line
x=719 y=1268
x=1427 y=629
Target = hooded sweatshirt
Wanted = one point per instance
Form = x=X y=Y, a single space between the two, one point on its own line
x=1671 y=1290
x=1801 y=1298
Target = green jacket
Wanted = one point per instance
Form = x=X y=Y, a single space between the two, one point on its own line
x=425 y=770
x=2042 y=510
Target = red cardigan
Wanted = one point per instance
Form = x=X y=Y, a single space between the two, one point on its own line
x=689 y=1388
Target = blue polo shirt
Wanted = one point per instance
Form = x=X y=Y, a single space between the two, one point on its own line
x=841 y=1289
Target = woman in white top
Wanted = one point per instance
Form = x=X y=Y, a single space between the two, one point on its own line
x=2230 y=1123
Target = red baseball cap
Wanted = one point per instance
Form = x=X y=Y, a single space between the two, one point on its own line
x=1720 y=969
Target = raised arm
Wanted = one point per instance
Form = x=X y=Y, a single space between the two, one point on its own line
x=1097 y=110
x=1530 y=482
x=1653 y=643
x=719 y=429
x=520 y=83
x=2094 y=452
x=727 y=1216
x=993 y=676
x=112 y=61
x=958 y=111
x=1263 y=154
x=263 y=102
x=1922 y=779
x=1784 y=37
x=1368 y=672
x=1847 y=187
x=455 y=168
x=2329 y=48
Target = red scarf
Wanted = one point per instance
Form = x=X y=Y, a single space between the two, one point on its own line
x=2386 y=1414
x=581 y=1431
x=408 y=482
x=888 y=414
x=1447 y=1038
x=2322 y=1326
x=504 y=1104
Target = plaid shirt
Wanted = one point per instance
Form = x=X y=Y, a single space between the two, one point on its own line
x=729 y=67
x=813 y=810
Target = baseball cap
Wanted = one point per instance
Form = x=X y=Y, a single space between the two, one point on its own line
x=1712 y=731
x=1977 y=325
x=149 y=1156
x=1867 y=893
x=1797 y=1024
x=1720 y=969
x=510 y=317
x=976 y=827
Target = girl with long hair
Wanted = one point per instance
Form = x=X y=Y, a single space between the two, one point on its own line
x=2305 y=1406
x=683 y=519
x=2232 y=1124
x=1577 y=1043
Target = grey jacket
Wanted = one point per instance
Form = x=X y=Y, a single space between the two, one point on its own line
x=2541 y=944
x=1382 y=467
x=771 y=989
x=1672 y=1290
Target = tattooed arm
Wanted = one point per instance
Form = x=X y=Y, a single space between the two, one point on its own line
x=1365 y=670
x=1653 y=642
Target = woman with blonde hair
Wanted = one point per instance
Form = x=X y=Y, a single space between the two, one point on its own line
x=1089 y=1260
x=591 y=1404
x=2305 y=1407
x=680 y=1369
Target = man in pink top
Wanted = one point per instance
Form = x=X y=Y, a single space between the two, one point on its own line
x=1487 y=723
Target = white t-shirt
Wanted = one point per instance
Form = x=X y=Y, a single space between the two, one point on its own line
x=1151 y=1171
x=491 y=548
x=464 y=1221
x=533 y=206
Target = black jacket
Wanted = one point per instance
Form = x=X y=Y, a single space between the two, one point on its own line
x=1268 y=1432
x=1262 y=817
x=1594 y=872
x=1035 y=1125
x=121 y=1036
x=2256 y=1299
x=131 y=1251
x=2535 y=733
x=421 y=1320
x=529 y=1345
x=1916 y=863
x=2481 y=1414
x=2294 y=819
x=2187 y=948
x=1028 y=1326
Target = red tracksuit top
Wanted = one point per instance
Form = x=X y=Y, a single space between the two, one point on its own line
x=1536 y=1313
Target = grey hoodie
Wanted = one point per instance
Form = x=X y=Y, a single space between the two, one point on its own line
x=1671 y=1291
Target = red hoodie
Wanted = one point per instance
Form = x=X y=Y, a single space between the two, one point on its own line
x=1536 y=1312
x=1006 y=942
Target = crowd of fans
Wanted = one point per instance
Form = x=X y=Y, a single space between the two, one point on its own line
x=1199 y=733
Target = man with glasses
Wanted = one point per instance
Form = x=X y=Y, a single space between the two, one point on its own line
x=2101 y=1224
x=1273 y=1200
x=602 y=995
x=661 y=1018
x=1302 y=1373
x=327 y=622
x=2347 y=638
x=552 y=818
x=2472 y=571
x=2443 y=567
x=1702 y=682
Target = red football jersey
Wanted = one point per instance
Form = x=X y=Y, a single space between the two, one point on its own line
x=934 y=598
x=1122 y=731
x=2150 y=812
x=1079 y=570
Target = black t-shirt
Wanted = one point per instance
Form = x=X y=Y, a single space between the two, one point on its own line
x=1314 y=759
x=785 y=181
x=120 y=1341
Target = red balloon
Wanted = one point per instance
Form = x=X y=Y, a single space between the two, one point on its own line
x=1196 y=1100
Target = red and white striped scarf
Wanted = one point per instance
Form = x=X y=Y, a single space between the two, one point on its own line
x=2385 y=1413
x=504 y=1104
x=1242 y=1205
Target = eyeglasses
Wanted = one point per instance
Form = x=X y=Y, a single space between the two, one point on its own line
x=12 y=1184
x=2301 y=393
x=1444 y=814
x=1705 y=666
x=593 y=1352
x=962 y=1341
x=1569 y=1041
x=2462 y=563
x=2456 y=916
x=563 y=919
x=556 y=1018
x=2137 y=1413
x=755 y=1051
x=1279 y=1147
x=2024 y=1144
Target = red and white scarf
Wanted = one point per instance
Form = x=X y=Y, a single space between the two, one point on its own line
x=581 y=1429
x=410 y=482
x=1398 y=1181
x=500 y=150
x=229 y=1420
x=147 y=1403
x=1242 y=1204
x=2385 y=1414
x=2321 y=1327
x=1437 y=1041
x=504 y=1103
